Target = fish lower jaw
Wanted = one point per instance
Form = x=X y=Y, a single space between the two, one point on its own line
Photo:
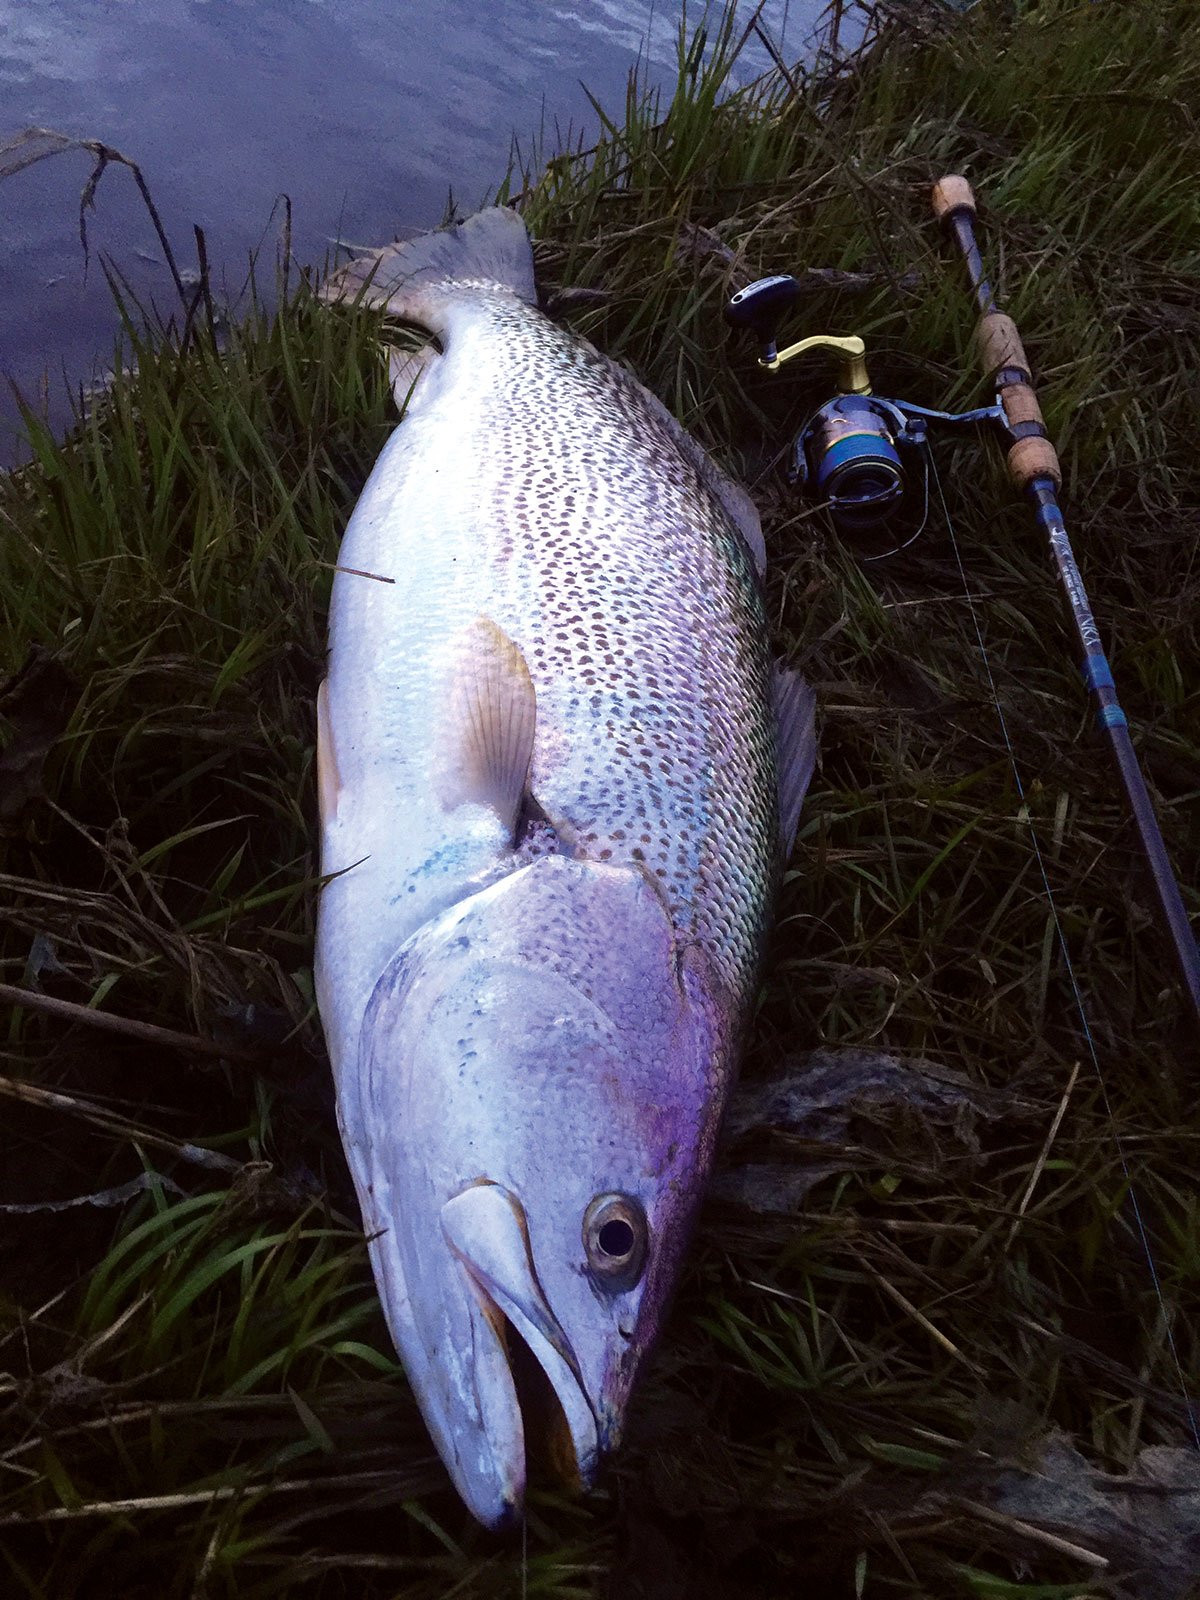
x=549 y=1413
x=529 y=1403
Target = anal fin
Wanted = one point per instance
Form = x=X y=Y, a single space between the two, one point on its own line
x=796 y=716
x=491 y=714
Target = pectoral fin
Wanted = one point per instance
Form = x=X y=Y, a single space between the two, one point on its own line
x=796 y=714
x=490 y=719
x=409 y=370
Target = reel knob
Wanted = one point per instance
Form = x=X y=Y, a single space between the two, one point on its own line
x=761 y=306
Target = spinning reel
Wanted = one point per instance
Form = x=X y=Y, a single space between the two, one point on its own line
x=858 y=454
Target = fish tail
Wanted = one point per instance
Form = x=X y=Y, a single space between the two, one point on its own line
x=491 y=248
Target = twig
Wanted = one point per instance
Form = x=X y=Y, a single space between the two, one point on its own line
x=769 y=46
x=53 y=144
x=1029 y=1531
x=51 y=1100
x=355 y=572
x=919 y=1317
x=198 y=1497
x=104 y=1197
x=108 y=1022
x=1047 y=1144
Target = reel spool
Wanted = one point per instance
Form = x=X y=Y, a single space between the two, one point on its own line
x=847 y=456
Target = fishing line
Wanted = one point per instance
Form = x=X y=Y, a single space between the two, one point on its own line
x=913 y=537
x=1190 y=1408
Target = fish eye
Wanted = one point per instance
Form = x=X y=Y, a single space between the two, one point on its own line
x=615 y=1235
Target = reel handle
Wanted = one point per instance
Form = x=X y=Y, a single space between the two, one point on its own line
x=1002 y=355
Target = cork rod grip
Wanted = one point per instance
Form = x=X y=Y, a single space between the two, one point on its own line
x=1001 y=353
x=952 y=194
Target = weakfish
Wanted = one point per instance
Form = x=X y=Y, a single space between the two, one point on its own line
x=558 y=773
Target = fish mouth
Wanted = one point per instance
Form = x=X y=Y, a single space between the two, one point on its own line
x=526 y=1374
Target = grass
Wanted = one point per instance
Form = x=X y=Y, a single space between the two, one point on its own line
x=197 y=1394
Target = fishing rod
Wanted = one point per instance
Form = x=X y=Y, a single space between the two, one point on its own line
x=1034 y=468
x=857 y=454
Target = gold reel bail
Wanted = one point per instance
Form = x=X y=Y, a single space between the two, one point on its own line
x=853 y=377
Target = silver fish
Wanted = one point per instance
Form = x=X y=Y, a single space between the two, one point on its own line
x=553 y=795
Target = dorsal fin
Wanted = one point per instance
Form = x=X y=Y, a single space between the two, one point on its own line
x=491 y=714
x=796 y=715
